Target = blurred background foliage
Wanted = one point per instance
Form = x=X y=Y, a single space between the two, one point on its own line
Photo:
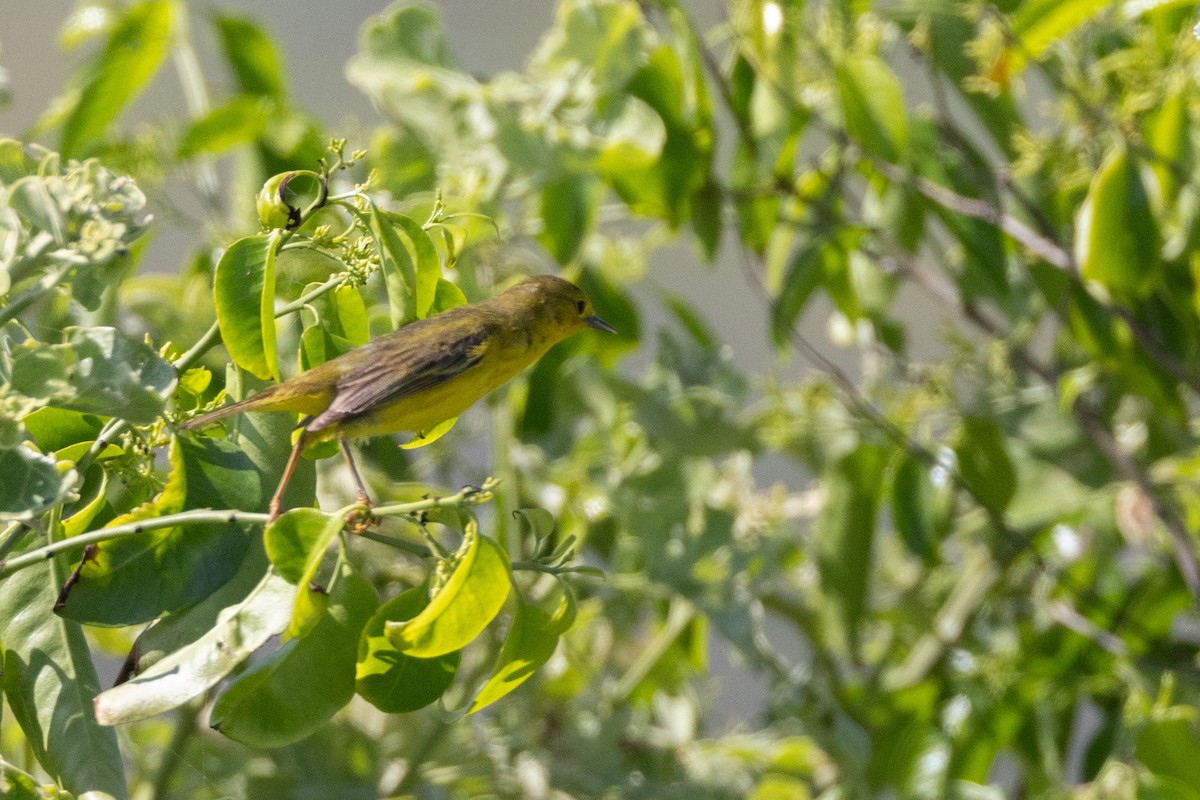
x=952 y=557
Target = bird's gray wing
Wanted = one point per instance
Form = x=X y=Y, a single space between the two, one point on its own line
x=391 y=370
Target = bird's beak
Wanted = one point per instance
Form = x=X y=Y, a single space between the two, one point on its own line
x=599 y=324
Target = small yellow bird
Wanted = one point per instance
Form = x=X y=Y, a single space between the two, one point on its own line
x=424 y=373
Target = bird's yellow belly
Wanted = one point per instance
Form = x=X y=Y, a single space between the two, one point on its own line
x=421 y=411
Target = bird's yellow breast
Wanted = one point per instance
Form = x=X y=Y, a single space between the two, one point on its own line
x=502 y=359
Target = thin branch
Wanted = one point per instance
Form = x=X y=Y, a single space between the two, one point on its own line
x=468 y=495
x=1090 y=421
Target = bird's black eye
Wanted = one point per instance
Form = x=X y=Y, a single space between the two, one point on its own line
x=580 y=306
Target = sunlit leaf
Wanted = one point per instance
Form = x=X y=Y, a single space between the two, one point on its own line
x=244 y=291
x=136 y=47
x=463 y=606
x=530 y=643
x=313 y=599
x=432 y=435
x=873 y=106
x=239 y=121
x=293 y=537
x=1117 y=241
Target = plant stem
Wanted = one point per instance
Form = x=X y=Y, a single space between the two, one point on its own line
x=11 y=537
x=468 y=495
x=679 y=614
x=26 y=298
x=191 y=78
x=185 y=728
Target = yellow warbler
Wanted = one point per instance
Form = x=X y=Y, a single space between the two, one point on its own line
x=424 y=373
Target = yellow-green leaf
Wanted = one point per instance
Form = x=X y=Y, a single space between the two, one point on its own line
x=463 y=606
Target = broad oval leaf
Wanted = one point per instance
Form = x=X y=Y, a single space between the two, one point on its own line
x=205 y=642
x=469 y=600
x=530 y=643
x=312 y=600
x=296 y=689
x=393 y=681
x=49 y=681
x=244 y=293
x=1117 y=241
x=136 y=578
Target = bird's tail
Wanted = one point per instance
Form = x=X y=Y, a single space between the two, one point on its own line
x=210 y=417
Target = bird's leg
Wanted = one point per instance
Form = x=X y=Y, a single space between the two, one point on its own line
x=363 y=497
x=358 y=520
x=277 y=499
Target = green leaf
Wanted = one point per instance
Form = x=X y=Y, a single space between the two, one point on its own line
x=393 y=681
x=293 y=537
x=804 y=274
x=707 y=204
x=1168 y=135
x=1168 y=746
x=1040 y=23
x=568 y=211
x=913 y=507
x=136 y=578
x=1117 y=241
x=30 y=198
x=49 y=682
x=184 y=655
x=846 y=533
x=254 y=57
x=32 y=483
x=292 y=692
x=432 y=435
x=351 y=313
x=135 y=49
x=312 y=599
x=244 y=293
x=398 y=268
x=97 y=371
x=462 y=607
x=55 y=428
x=606 y=40
x=239 y=121
x=426 y=262
x=984 y=464
x=448 y=296
x=530 y=643
x=873 y=106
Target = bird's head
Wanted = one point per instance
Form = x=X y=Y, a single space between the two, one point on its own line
x=562 y=306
